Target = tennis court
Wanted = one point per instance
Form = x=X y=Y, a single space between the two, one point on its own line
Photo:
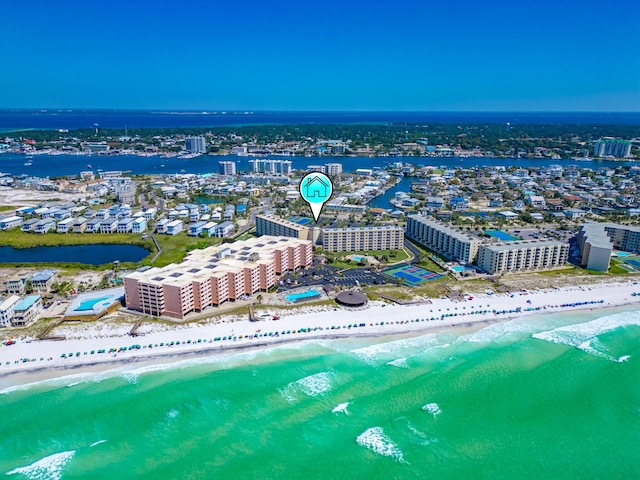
x=632 y=261
x=500 y=235
x=412 y=275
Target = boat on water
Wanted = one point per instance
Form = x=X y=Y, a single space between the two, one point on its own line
x=89 y=166
x=28 y=164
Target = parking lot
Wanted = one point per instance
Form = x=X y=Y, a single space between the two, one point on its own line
x=326 y=274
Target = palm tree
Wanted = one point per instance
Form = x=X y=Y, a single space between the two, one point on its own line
x=62 y=288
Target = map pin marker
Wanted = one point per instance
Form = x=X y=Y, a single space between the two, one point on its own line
x=315 y=189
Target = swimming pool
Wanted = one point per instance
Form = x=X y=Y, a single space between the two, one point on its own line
x=500 y=235
x=296 y=297
x=357 y=258
x=457 y=268
x=89 y=304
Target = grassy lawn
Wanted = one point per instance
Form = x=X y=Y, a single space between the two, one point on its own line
x=427 y=263
x=174 y=248
x=614 y=269
x=478 y=285
x=431 y=289
x=30 y=331
x=340 y=258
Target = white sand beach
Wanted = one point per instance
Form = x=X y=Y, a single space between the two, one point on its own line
x=95 y=347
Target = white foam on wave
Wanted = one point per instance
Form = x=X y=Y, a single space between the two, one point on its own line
x=584 y=336
x=64 y=381
x=398 y=348
x=97 y=443
x=375 y=440
x=47 y=468
x=288 y=393
x=172 y=413
x=399 y=363
x=342 y=408
x=316 y=384
x=311 y=386
x=432 y=408
x=498 y=331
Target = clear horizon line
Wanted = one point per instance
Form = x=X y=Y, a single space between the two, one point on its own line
x=245 y=111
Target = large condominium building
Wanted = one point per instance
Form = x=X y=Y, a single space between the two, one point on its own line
x=279 y=227
x=525 y=256
x=595 y=247
x=358 y=239
x=610 y=147
x=214 y=275
x=443 y=239
x=277 y=167
x=196 y=145
x=227 y=168
x=597 y=240
x=333 y=168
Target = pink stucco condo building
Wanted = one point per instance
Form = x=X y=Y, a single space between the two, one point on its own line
x=215 y=275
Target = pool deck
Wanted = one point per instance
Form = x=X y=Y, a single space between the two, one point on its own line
x=110 y=296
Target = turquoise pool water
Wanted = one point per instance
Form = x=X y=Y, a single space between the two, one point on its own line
x=89 y=304
x=359 y=259
x=458 y=268
x=499 y=234
x=295 y=297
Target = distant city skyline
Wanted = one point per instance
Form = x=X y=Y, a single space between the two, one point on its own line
x=196 y=55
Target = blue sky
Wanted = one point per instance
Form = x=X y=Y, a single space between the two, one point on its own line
x=561 y=55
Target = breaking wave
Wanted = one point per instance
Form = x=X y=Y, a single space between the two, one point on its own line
x=375 y=440
x=311 y=386
x=432 y=408
x=584 y=336
x=47 y=468
x=342 y=408
x=399 y=348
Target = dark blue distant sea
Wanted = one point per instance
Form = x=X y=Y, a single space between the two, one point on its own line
x=74 y=119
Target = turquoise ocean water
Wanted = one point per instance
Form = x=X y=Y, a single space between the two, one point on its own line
x=546 y=397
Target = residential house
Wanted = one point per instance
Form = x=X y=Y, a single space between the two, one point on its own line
x=44 y=225
x=224 y=229
x=29 y=225
x=195 y=229
x=41 y=281
x=17 y=285
x=125 y=225
x=26 y=311
x=139 y=225
x=93 y=225
x=174 y=227
x=6 y=310
x=161 y=226
x=209 y=228
x=109 y=225
x=10 y=222
x=79 y=225
x=65 y=225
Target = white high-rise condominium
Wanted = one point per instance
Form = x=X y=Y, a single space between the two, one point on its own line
x=227 y=167
x=196 y=145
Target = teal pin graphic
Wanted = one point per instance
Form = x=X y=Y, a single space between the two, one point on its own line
x=315 y=189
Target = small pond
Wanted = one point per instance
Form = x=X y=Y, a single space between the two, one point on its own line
x=87 y=254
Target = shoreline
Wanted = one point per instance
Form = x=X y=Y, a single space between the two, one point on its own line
x=50 y=358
